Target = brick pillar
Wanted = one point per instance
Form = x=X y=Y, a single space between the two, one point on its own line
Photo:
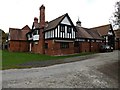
x=42 y=16
x=42 y=25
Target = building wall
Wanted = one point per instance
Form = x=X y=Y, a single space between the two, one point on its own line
x=54 y=48
x=84 y=47
x=95 y=46
x=90 y=46
x=18 y=46
x=37 y=47
x=117 y=45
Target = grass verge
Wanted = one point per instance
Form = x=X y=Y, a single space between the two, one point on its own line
x=11 y=60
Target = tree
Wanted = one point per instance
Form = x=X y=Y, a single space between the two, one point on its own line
x=116 y=16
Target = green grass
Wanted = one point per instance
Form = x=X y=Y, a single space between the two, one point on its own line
x=13 y=59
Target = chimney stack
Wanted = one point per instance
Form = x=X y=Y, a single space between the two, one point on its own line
x=35 y=20
x=42 y=16
x=36 y=25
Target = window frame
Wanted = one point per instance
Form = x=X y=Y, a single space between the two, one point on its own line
x=69 y=29
x=62 y=28
x=46 y=46
x=64 y=45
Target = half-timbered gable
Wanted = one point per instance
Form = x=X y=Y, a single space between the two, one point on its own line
x=60 y=28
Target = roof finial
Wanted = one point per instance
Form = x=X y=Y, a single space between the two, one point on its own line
x=78 y=18
x=78 y=23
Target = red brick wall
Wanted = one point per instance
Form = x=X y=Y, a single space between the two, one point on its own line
x=84 y=47
x=54 y=48
x=37 y=48
x=117 y=45
x=89 y=46
x=21 y=46
x=95 y=46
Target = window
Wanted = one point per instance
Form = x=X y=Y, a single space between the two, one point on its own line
x=76 y=44
x=46 y=45
x=35 y=32
x=62 y=28
x=64 y=45
x=36 y=43
x=69 y=29
x=29 y=36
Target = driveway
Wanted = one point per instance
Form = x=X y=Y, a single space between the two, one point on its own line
x=100 y=71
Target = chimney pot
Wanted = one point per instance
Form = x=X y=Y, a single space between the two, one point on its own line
x=42 y=7
x=35 y=19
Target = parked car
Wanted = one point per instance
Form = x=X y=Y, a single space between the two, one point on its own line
x=106 y=48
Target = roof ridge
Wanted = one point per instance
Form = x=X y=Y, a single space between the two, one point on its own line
x=25 y=26
x=53 y=23
x=99 y=26
x=15 y=28
x=57 y=18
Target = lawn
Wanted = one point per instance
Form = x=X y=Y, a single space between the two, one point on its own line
x=13 y=59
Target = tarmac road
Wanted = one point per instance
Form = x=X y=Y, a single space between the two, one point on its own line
x=97 y=72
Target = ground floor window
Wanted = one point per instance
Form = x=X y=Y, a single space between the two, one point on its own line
x=64 y=45
x=46 y=45
x=76 y=44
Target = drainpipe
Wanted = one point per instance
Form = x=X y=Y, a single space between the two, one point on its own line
x=90 y=45
x=30 y=47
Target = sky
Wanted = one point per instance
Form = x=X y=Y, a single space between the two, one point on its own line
x=18 y=13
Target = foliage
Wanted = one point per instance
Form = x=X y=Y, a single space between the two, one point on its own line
x=116 y=15
x=3 y=35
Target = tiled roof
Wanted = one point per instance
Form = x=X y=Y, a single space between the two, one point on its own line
x=52 y=24
x=101 y=30
x=86 y=33
x=19 y=34
x=94 y=34
x=82 y=33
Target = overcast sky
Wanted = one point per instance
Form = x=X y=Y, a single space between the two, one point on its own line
x=18 y=13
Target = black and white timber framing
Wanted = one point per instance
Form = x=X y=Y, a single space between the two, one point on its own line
x=64 y=30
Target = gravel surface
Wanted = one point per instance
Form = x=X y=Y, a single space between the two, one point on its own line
x=100 y=71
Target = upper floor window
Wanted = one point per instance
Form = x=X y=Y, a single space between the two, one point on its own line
x=35 y=32
x=62 y=28
x=69 y=29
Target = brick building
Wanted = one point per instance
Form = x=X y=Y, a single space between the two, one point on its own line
x=17 y=39
x=59 y=36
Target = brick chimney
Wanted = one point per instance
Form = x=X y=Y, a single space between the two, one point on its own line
x=42 y=25
x=42 y=16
